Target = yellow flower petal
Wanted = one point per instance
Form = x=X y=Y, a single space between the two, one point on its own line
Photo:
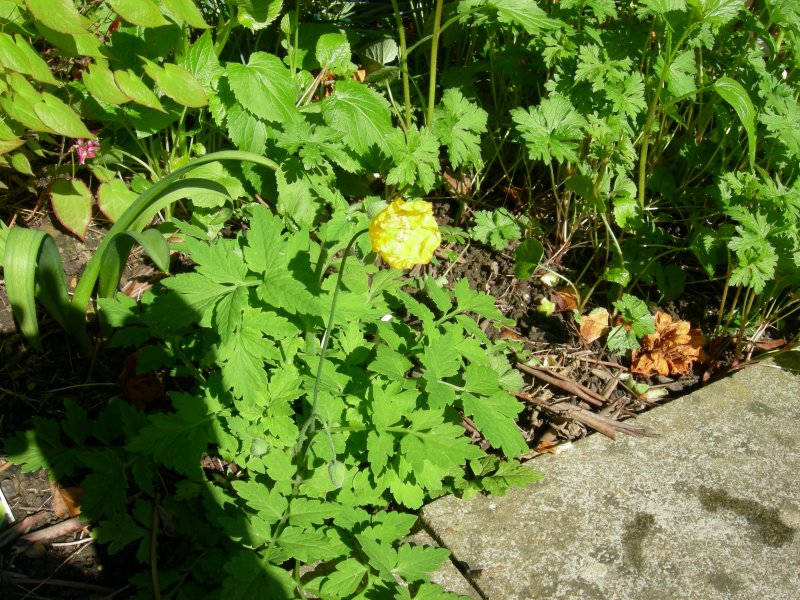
x=405 y=234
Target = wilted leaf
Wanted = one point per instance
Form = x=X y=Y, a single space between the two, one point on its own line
x=670 y=350
x=594 y=325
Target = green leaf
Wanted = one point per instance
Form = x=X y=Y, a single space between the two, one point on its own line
x=32 y=267
x=494 y=417
x=72 y=205
x=16 y=54
x=390 y=363
x=527 y=257
x=144 y=13
x=524 y=13
x=414 y=563
x=264 y=86
x=114 y=198
x=617 y=275
x=21 y=163
x=152 y=242
x=268 y=503
x=132 y=86
x=100 y=83
x=249 y=133
x=201 y=60
x=59 y=15
x=252 y=576
x=185 y=11
x=258 y=14
x=495 y=227
x=178 y=83
x=734 y=94
x=361 y=114
x=76 y=46
x=59 y=117
x=333 y=52
x=551 y=130
x=344 y=580
x=509 y=474
x=717 y=12
x=458 y=123
x=416 y=158
x=177 y=440
x=380 y=555
x=636 y=314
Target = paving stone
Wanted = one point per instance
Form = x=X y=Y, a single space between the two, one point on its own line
x=708 y=509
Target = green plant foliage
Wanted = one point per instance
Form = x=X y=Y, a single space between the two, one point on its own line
x=495 y=228
x=378 y=418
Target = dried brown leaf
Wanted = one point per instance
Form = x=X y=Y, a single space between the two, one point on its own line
x=594 y=325
x=670 y=350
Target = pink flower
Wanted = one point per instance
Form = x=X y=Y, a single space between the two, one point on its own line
x=85 y=149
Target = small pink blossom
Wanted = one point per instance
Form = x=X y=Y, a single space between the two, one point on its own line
x=85 y=149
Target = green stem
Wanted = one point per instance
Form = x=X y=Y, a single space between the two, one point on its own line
x=401 y=33
x=437 y=30
x=312 y=418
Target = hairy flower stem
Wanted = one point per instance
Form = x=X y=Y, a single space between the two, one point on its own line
x=437 y=30
x=308 y=427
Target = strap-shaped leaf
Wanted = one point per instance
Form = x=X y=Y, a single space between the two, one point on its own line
x=152 y=242
x=734 y=94
x=147 y=203
x=31 y=257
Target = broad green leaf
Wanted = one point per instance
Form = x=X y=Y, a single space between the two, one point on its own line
x=72 y=205
x=76 y=45
x=21 y=163
x=6 y=133
x=202 y=62
x=734 y=94
x=12 y=57
x=144 y=13
x=617 y=275
x=416 y=158
x=38 y=68
x=258 y=14
x=380 y=555
x=178 y=83
x=185 y=11
x=361 y=114
x=247 y=132
x=59 y=117
x=333 y=52
x=717 y=12
x=7 y=146
x=264 y=86
x=59 y=15
x=524 y=13
x=132 y=86
x=527 y=257
x=100 y=82
x=32 y=266
x=114 y=198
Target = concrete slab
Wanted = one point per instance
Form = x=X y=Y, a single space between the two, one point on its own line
x=709 y=509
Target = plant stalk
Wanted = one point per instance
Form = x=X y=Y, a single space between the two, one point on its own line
x=401 y=34
x=437 y=30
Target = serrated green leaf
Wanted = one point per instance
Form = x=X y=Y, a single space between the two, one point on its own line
x=247 y=132
x=526 y=14
x=415 y=154
x=361 y=114
x=414 y=563
x=72 y=205
x=201 y=60
x=264 y=86
x=251 y=575
x=458 y=124
x=390 y=363
x=617 y=275
x=344 y=580
x=258 y=14
x=551 y=130
x=59 y=15
x=333 y=53
x=268 y=503
x=509 y=474
x=59 y=117
x=494 y=417
x=380 y=555
x=144 y=13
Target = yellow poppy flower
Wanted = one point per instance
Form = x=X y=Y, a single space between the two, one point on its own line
x=405 y=233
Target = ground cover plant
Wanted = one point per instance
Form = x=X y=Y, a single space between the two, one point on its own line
x=628 y=156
